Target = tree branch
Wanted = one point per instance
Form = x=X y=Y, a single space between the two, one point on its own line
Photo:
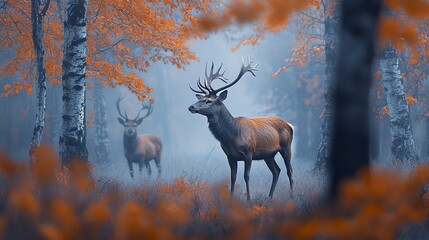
x=318 y=20
x=111 y=46
x=45 y=8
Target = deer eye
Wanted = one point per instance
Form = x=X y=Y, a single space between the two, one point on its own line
x=209 y=101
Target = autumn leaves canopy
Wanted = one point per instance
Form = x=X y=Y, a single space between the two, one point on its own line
x=123 y=36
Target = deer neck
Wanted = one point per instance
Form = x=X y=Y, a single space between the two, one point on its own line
x=130 y=142
x=223 y=125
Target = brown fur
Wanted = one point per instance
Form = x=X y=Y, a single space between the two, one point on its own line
x=264 y=136
x=139 y=149
x=243 y=139
x=142 y=149
x=247 y=139
x=148 y=147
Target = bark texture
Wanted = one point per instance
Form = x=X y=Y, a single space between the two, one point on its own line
x=101 y=131
x=332 y=17
x=350 y=142
x=425 y=152
x=73 y=129
x=37 y=20
x=403 y=146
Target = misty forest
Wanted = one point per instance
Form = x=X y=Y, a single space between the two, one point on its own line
x=213 y=119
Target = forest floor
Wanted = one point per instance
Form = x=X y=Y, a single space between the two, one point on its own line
x=82 y=202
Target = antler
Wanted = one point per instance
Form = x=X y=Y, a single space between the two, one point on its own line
x=244 y=68
x=206 y=86
x=207 y=89
x=145 y=107
x=119 y=110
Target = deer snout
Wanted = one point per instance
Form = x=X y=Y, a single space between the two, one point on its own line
x=192 y=109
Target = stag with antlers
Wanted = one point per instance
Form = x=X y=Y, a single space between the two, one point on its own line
x=139 y=149
x=243 y=139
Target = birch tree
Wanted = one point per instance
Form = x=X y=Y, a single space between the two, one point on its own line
x=73 y=129
x=37 y=20
x=402 y=146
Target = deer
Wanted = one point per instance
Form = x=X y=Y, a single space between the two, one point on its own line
x=139 y=149
x=243 y=139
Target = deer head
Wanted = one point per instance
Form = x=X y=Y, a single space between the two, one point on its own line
x=131 y=124
x=210 y=102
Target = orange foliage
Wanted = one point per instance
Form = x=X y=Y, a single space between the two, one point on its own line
x=272 y=15
x=123 y=36
x=410 y=100
x=275 y=15
x=412 y=8
x=65 y=217
x=97 y=213
x=398 y=32
x=22 y=200
x=46 y=167
x=376 y=205
x=385 y=111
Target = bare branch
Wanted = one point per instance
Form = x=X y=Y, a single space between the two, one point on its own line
x=45 y=8
x=111 y=46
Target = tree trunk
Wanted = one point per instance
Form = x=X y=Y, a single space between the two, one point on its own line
x=53 y=113
x=73 y=129
x=403 y=146
x=374 y=126
x=101 y=132
x=332 y=16
x=350 y=139
x=302 y=124
x=426 y=144
x=37 y=19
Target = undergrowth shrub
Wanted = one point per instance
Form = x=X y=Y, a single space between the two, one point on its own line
x=43 y=201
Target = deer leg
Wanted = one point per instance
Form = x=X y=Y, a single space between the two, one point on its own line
x=233 y=166
x=158 y=165
x=247 y=166
x=149 y=170
x=275 y=170
x=130 y=165
x=286 y=154
x=140 y=167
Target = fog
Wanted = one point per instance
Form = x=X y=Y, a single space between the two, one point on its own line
x=189 y=149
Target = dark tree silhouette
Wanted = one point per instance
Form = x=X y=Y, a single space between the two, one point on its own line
x=332 y=18
x=350 y=142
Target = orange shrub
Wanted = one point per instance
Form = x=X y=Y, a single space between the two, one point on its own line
x=376 y=205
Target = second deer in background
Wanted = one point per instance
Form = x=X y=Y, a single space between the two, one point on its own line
x=140 y=149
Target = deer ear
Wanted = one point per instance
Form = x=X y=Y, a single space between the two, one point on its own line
x=199 y=96
x=121 y=121
x=139 y=121
x=222 y=95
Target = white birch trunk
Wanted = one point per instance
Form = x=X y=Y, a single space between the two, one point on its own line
x=73 y=129
x=403 y=146
x=37 y=19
